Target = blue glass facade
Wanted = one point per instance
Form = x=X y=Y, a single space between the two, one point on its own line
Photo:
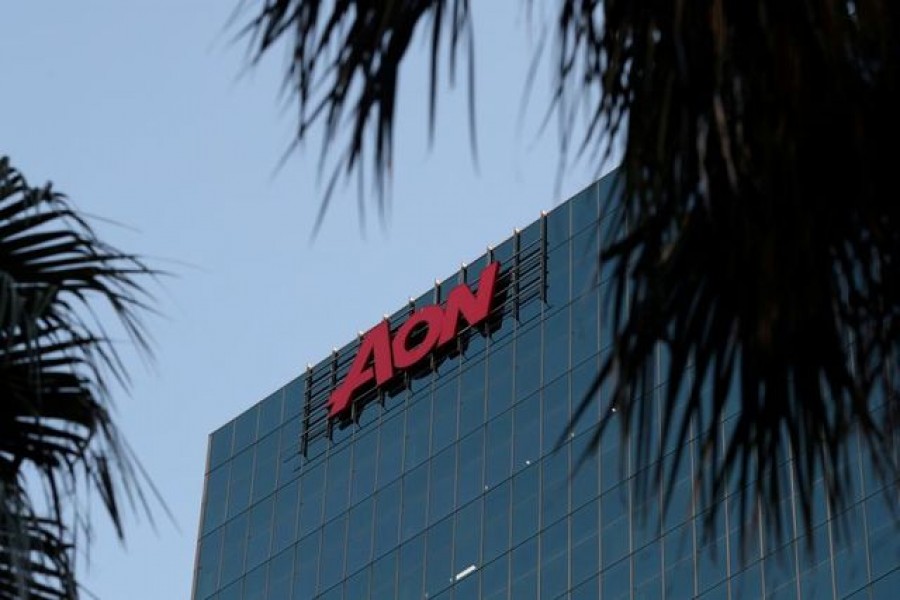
x=455 y=483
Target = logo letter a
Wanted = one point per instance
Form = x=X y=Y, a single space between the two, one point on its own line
x=375 y=348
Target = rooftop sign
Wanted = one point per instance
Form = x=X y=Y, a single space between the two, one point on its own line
x=382 y=355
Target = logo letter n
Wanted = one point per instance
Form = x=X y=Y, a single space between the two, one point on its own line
x=474 y=307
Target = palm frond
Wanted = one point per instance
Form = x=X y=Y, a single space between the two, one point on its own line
x=56 y=431
x=345 y=60
x=759 y=241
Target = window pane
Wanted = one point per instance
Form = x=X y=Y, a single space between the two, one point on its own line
x=260 y=533
x=471 y=398
x=441 y=485
x=528 y=362
x=443 y=420
x=615 y=581
x=585 y=543
x=280 y=571
x=312 y=492
x=412 y=556
x=364 y=453
x=255 y=584
x=499 y=380
x=614 y=538
x=496 y=521
x=585 y=260
x=495 y=579
x=527 y=432
x=556 y=345
x=384 y=576
x=439 y=557
x=524 y=570
x=293 y=398
x=555 y=486
x=265 y=469
x=245 y=429
x=288 y=460
x=555 y=409
x=414 y=501
x=233 y=548
x=208 y=564
x=585 y=333
x=584 y=471
x=589 y=590
x=337 y=483
x=469 y=479
x=357 y=586
x=558 y=225
x=232 y=592
x=585 y=207
x=270 y=414
x=387 y=518
x=239 y=485
x=582 y=380
x=555 y=575
x=390 y=450
x=498 y=449
x=558 y=274
x=467 y=537
x=306 y=567
x=418 y=426
x=215 y=497
x=359 y=545
x=220 y=445
x=331 y=563
x=525 y=515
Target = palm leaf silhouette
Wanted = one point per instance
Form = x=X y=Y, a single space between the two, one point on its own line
x=759 y=240
x=57 y=437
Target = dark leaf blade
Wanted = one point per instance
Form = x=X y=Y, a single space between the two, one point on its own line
x=55 y=359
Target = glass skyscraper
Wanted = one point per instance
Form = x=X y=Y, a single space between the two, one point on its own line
x=455 y=477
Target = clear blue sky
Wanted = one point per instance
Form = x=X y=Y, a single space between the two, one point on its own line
x=144 y=114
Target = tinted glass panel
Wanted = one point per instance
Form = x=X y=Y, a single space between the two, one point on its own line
x=220 y=445
x=464 y=478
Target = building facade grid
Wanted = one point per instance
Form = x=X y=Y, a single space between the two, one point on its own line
x=466 y=482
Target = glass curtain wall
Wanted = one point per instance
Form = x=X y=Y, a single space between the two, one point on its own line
x=466 y=483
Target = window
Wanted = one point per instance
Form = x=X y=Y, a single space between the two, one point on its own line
x=259 y=536
x=364 y=455
x=216 y=497
x=265 y=469
x=439 y=557
x=471 y=459
x=496 y=521
x=270 y=413
x=311 y=494
x=415 y=486
x=280 y=570
x=390 y=450
x=441 y=485
x=245 y=429
x=412 y=565
x=359 y=544
x=498 y=449
x=387 y=518
x=239 y=484
x=208 y=564
x=220 y=445
x=337 y=482
x=233 y=547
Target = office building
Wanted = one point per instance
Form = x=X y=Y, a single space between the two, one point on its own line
x=430 y=458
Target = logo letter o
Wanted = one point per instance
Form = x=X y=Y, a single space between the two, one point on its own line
x=432 y=318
